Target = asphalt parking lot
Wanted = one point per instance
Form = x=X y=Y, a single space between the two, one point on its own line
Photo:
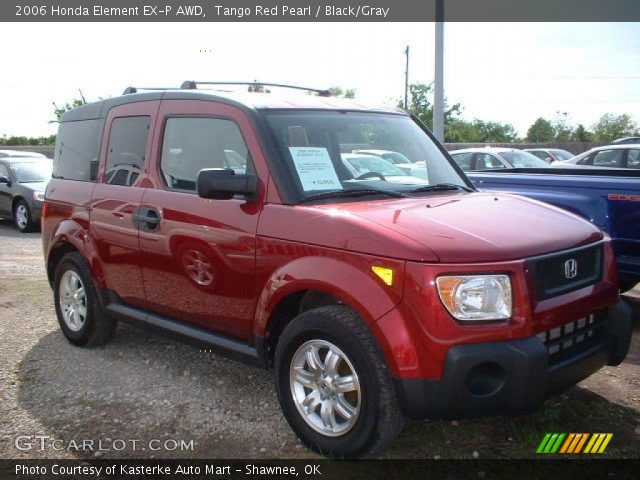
x=176 y=402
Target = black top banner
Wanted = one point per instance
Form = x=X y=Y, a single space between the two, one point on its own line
x=320 y=11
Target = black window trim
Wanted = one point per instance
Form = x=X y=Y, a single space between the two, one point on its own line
x=163 y=129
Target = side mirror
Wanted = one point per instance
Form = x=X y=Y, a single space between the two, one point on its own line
x=5 y=180
x=224 y=184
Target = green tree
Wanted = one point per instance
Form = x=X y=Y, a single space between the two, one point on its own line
x=344 y=93
x=420 y=104
x=58 y=111
x=561 y=127
x=581 y=134
x=541 y=131
x=609 y=127
x=257 y=88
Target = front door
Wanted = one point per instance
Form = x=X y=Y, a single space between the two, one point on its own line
x=199 y=264
x=114 y=216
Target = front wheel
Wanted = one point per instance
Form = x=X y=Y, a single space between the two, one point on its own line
x=22 y=217
x=333 y=384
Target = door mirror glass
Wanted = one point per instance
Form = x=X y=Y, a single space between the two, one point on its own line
x=224 y=184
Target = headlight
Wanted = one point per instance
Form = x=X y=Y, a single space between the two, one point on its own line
x=476 y=297
x=38 y=196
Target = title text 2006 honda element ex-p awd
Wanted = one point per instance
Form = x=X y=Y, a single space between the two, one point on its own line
x=234 y=221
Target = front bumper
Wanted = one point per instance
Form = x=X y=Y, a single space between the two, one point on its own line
x=496 y=378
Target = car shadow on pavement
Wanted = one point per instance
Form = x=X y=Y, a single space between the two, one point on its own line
x=147 y=387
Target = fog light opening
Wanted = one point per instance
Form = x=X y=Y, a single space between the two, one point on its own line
x=485 y=379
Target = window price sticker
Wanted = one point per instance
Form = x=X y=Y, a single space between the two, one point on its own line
x=315 y=168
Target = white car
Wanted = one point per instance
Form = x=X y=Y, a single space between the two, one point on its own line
x=20 y=153
x=372 y=167
x=610 y=157
x=493 y=158
x=550 y=155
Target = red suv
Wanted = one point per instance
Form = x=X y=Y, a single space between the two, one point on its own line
x=232 y=221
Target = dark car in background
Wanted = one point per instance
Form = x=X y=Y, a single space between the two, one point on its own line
x=22 y=184
x=550 y=155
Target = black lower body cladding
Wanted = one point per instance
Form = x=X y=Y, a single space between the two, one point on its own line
x=513 y=376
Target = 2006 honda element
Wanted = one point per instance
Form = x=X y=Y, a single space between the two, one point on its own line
x=232 y=221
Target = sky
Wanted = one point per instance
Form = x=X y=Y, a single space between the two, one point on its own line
x=506 y=72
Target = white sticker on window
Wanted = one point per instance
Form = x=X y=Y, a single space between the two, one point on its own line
x=315 y=168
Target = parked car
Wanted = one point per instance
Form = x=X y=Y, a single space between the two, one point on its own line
x=22 y=185
x=369 y=166
x=19 y=154
x=608 y=199
x=550 y=155
x=398 y=159
x=610 y=156
x=492 y=158
x=626 y=140
x=373 y=301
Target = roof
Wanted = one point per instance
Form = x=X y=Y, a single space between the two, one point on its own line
x=20 y=153
x=12 y=160
x=244 y=100
x=486 y=149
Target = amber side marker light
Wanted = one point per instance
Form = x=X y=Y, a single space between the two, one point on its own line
x=385 y=274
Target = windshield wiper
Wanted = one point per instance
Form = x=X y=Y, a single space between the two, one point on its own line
x=440 y=187
x=353 y=193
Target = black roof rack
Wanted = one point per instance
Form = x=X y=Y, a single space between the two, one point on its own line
x=193 y=85
x=130 y=90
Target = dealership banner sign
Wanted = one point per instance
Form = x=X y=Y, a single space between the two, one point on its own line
x=319 y=10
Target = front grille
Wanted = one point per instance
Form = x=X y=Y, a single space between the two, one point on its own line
x=571 y=336
x=563 y=272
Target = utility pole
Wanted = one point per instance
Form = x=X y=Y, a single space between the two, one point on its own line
x=438 y=101
x=406 y=80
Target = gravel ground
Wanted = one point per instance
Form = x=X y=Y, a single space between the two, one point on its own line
x=145 y=387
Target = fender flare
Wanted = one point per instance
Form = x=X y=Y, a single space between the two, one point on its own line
x=71 y=232
x=359 y=289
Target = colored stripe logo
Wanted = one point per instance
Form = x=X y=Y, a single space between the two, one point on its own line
x=574 y=443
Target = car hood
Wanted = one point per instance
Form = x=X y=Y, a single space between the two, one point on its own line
x=477 y=227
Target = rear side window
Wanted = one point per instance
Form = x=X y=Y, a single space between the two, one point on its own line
x=191 y=144
x=127 y=147
x=77 y=150
x=633 y=159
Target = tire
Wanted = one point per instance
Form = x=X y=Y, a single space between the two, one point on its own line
x=625 y=286
x=80 y=316
x=376 y=417
x=22 y=217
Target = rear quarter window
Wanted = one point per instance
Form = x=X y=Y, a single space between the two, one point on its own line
x=77 y=150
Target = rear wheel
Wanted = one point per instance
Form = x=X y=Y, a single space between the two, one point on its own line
x=22 y=217
x=333 y=384
x=77 y=307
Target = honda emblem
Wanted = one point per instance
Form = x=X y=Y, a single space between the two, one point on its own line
x=571 y=268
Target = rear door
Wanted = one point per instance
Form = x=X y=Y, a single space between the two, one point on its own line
x=116 y=198
x=199 y=264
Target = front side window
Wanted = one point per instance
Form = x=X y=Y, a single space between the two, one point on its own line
x=485 y=161
x=608 y=158
x=192 y=144
x=523 y=160
x=127 y=147
x=325 y=152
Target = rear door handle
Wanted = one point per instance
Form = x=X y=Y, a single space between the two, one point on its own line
x=146 y=218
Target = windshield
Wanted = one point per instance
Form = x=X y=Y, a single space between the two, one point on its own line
x=33 y=172
x=523 y=160
x=562 y=154
x=316 y=148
